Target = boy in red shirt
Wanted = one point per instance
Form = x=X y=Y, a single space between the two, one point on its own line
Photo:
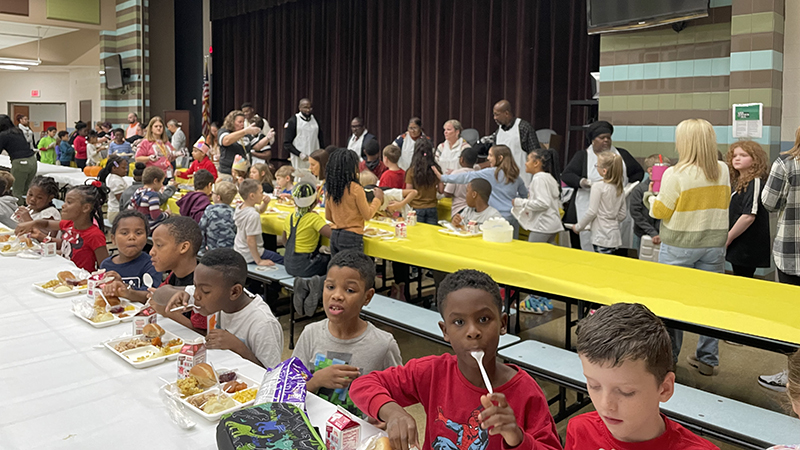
x=626 y=355
x=393 y=177
x=373 y=162
x=461 y=414
x=201 y=159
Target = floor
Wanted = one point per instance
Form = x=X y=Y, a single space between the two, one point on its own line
x=736 y=378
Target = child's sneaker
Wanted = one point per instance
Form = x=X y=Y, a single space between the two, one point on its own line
x=531 y=305
x=775 y=382
x=545 y=303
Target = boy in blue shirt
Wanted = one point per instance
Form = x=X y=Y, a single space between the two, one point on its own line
x=64 y=152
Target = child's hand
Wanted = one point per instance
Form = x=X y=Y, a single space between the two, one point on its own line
x=271 y=134
x=657 y=240
x=24 y=228
x=222 y=340
x=500 y=419
x=23 y=214
x=116 y=288
x=436 y=171
x=38 y=234
x=286 y=196
x=265 y=262
x=180 y=298
x=337 y=376
x=400 y=427
x=456 y=220
x=575 y=229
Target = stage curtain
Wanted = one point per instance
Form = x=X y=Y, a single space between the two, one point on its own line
x=388 y=61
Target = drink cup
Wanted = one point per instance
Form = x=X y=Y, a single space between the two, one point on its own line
x=658 y=173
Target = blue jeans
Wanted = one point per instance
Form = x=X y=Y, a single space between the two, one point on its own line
x=428 y=215
x=272 y=256
x=710 y=259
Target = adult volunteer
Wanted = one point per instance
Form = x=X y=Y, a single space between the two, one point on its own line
x=516 y=134
x=448 y=153
x=23 y=160
x=359 y=137
x=408 y=141
x=581 y=172
x=302 y=135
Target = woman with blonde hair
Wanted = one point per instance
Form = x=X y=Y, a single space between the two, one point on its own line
x=156 y=149
x=692 y=205
x=232 y=142
x=448 y=153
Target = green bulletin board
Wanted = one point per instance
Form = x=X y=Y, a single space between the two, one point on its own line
x=84 y=11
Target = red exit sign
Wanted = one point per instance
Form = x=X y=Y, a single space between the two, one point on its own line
x=35 y=93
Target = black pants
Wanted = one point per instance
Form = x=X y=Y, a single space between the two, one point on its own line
x=743 y=271
x=788 y=279
x=81 y=163
x=344 y=240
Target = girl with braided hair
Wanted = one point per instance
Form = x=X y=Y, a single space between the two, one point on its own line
x=81 y=239
x=420 y=176
x=301 y=231
x=39 y=198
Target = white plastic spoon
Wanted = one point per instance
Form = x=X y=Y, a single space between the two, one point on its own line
x=478 y=355
x=148 y=280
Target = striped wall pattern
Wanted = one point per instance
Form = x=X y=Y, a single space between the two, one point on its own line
x=651 y=80
x=130 y=41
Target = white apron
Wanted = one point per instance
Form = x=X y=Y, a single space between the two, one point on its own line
x=449 y=157
x=407 y=152
x=582 y=201
x=355 y=144
x=511 y=140
x=306 y=140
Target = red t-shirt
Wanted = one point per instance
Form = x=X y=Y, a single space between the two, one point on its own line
x=588 y=432
x=393 y=179
x=79 y=245
x=204 y=164
x=452 y=404
x=80 y=147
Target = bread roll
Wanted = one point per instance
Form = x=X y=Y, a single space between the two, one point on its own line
x=204 y=374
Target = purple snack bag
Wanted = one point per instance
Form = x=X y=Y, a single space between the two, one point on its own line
x=285 y=383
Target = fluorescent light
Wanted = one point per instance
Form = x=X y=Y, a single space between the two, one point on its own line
x=23 y=62
x=10 y=67
x=102 y=72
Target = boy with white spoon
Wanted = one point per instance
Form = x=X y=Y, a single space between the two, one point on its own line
x=460 y=411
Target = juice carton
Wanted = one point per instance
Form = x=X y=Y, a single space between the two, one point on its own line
x=213 y=321
x=190 y=356
x=142 y=318
x=342 y=431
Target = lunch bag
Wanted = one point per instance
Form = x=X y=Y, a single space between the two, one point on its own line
x=273 y=426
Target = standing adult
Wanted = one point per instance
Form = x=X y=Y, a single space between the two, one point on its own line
x=250 y=115
x=251 y=118
x=359 y=137
x=581 y=172
x=408 y=141
x=134 y=126
x=23 y=159
x=156 y=149
x=24 y=126
x=178 y=141
x=232 y=141
x=302 y=135
x=693 y=207
x=514 y=133
x=448 y=153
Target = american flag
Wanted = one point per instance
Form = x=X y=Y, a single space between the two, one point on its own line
x=206 y=100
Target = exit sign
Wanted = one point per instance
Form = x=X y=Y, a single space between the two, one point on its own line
x=35 y=93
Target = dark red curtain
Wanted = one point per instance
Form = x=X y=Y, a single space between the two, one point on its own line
x=388 y=61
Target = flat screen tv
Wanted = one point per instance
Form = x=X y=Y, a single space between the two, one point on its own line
x=113 y=68
x=605 y=16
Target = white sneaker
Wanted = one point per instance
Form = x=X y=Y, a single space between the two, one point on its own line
x=775 y=382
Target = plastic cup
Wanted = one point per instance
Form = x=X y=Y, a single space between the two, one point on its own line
x=658 y=173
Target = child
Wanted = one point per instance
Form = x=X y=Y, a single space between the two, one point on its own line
x=194 y=204
x=540 y=212
x=81 y=239
x=8 y=203
x=79 y=144
x=478 y=210
x=347 y=207
x=249 y=242
x=201 y=159
x=626 y=355
x=458 y=192
x=643 y=224
x=393 y=177
x=606 y=205
x=47 y=147
x=458 y=407
x=261 y=173
x=146 y=199
x=421 y=177
x=748 y=239
x=343 y=346
x=246 y=325
x=793 y=391
x=129 y=233
x=301 y=232
x=116 y=168
x=284 y=178
x=93 y=154
x=65 y=151
x=120 y=146
x=373 y=162
x=239 y=170
x=217 y=225
x=40 y=201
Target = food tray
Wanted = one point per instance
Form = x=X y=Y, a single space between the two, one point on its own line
x=5 y=231
x=251 y=384
x=465 y=234
x=378 y=233
x=137 y=307
x=49 y=291
x=130 y=356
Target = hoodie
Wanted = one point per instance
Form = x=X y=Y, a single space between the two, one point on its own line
x=8 y=204
x=193 y=205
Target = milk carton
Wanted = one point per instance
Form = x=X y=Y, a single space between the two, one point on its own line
x=142 y=318
x=95 y=283
x=400 y=230
x=190 y=356
x=342 y=431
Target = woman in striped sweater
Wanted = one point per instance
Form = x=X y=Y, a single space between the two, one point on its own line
x=693 y=207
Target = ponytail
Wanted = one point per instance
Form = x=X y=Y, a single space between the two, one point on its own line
x=96 y=194
x=549 y=159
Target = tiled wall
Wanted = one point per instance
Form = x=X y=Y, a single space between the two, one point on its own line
x=791 y=76
x=651 y=80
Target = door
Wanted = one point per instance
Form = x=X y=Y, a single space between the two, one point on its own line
x=86 y=113
x=182 y=116
x=19 y=109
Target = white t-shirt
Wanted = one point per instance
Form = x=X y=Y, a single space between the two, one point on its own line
x=117 y=185
x=469 y=214
x=257 y=327
x=93 y=155
x=248 y=223
x=394 y=195
x=459 y=192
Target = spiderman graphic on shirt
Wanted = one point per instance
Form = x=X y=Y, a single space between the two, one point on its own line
x=70 y=239
x=470 y=435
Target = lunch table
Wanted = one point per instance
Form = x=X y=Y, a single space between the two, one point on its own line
x=61 y=389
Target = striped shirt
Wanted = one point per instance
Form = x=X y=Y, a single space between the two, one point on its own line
x=692 y=209
x=147 y=202
x=781 y=193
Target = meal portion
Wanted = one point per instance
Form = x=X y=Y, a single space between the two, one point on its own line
x=211 y=393
x=65 y=282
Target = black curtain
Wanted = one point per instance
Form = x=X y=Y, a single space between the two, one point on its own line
x=388 y=61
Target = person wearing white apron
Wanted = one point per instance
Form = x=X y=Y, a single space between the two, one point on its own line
x=448 y=153
x=581 y=173
x=407 y=142
x=516 y=134
x=359 y=138
x=302 y=136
